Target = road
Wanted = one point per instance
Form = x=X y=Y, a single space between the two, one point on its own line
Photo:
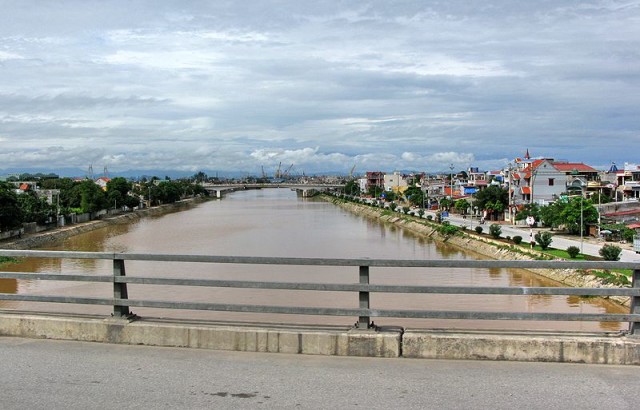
x=590 y=246
x=47 y=374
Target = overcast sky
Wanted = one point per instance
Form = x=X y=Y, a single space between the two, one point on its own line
x=324 y=85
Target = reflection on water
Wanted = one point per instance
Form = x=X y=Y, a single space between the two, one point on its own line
x=274 y=222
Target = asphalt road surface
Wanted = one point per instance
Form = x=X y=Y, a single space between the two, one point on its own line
x=46 y=374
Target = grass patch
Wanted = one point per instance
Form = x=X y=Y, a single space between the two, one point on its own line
x=7 y=259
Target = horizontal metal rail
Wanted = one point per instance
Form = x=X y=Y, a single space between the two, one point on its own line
x=389 y=263
x=331 y=287
x=121 y=303
x=411 y=314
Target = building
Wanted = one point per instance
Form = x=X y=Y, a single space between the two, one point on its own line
x=544 y=180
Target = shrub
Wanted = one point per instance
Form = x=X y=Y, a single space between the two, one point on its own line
x=517 y=239
x=573 y=251
x=495 y=230
x=478 y=230
x=544 y=239
x=610 y=252
x=429 y=217
x=406 y=209
x=447 y=229
x=507 y=238
x=421 y=213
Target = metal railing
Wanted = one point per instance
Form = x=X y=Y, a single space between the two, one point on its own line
x=122 y=304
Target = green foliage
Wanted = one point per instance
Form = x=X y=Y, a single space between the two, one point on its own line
x=494 y=199
x=478 y=229
x=569 y=214
x=92 y=197
x=352 y=187
x=10 y=211
x=446 y=229
x=445 y=203
x=461 y=205
x=573 y=251
x=610 y=252
x=544 y=239
x=517 y=239
x=393 y=206
x=34 y=209
x=529 y=210
x=406 y=209
x=414 y=195
x=495 y=230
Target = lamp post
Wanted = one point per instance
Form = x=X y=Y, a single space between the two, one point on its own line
x=581 y=216
x=451 y=180
x=509 y=193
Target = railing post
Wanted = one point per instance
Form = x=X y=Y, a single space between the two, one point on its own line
x=363 y=321
x=119 y=289
x=634 y=327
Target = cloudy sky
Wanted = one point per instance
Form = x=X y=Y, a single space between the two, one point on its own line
x=323 y=85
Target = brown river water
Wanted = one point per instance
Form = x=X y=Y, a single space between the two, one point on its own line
x=275 y=222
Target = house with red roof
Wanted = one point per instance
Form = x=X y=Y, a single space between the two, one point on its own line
x=544 y=180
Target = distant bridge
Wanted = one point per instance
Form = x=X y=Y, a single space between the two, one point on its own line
x=305 y=190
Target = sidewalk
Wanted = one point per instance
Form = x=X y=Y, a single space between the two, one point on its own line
x=588 y=245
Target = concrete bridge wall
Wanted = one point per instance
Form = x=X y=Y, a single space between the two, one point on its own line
x=331 y=340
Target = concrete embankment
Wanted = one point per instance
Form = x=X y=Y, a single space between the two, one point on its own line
x=481 y=245
x=330 y=340
x=41 y=239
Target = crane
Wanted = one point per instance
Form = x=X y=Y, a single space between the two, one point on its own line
x=286 y=173
x=278 y=170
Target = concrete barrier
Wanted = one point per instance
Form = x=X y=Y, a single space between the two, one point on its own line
x=318 y=340
x=330 y=340
x=524 y=346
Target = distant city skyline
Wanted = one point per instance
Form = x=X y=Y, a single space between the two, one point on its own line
x=234 y=87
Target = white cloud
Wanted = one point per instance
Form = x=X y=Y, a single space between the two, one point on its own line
x=324 y=85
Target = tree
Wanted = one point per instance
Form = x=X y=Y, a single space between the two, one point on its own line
x=461 y=205
x=493 y=199
x=10 y=212
x=544 y=239
x=529 y=210
x=34 y=209
x=495 y=230
x=351 y=187
x=577 y=211
x=92 y=197
x=573 y=251
x=610 y=252
x=414 y=195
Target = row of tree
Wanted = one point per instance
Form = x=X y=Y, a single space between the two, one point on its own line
x=573 y=214
x=86 y=196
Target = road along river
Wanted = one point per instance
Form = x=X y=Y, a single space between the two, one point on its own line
x=275 y=222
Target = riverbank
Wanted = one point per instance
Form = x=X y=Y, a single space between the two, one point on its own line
x=41 y=239
x=483 y=245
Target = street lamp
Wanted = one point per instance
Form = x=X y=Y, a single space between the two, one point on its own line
x=451 y=180
x=509 y=193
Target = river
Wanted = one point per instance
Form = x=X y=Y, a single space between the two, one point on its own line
x=275 y=222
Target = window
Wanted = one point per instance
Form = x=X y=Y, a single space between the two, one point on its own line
x=551 y=181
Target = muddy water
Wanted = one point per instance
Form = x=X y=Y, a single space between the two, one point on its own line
x=274 y=222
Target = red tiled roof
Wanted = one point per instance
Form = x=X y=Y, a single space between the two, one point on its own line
x=569 y=166
x=620 y=213
x=526 y=190
x=633 y=226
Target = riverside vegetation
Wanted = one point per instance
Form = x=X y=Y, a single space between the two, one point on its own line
x=490 y=245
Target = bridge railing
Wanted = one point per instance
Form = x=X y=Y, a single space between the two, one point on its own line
x=122 y=304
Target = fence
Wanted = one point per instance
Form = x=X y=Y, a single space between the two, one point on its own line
x=122 y=304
